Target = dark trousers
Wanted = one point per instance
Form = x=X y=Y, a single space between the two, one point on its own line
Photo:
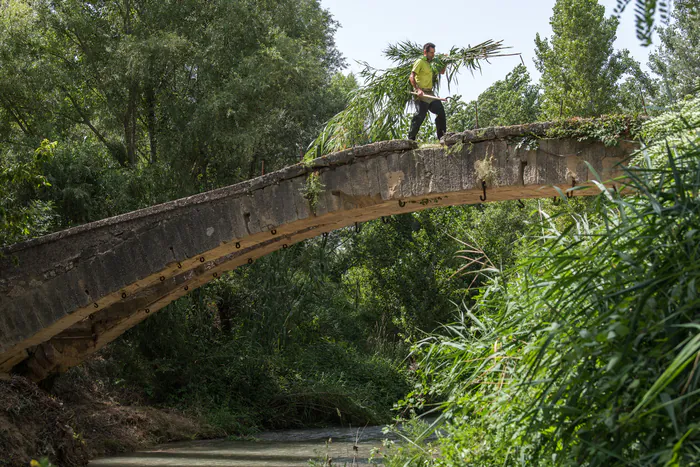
x=422 y=109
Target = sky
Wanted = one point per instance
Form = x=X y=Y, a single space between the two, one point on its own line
x=368 y=26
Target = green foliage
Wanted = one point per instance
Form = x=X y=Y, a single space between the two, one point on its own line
x=315 y=330
x=637 y=94
x=43 y=462
x=579 y=69
x=677 y=59
x=671 y=125
x=279 y=344
x=312 y=189
x=145 y=109
x=670 y=128
x=21 y=214
x=609 y=129
x=645 y=15
x=139 y=83
x=377 y=110
x=511 y=101
x=586 y=352
x=412 y=446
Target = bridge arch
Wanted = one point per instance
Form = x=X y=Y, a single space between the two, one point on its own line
x=66 y=295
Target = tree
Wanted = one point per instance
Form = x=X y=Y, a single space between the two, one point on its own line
x=144 y=107
x=637 y=91
x=511 y=101
x=160 y=87
x=24 y=96
x=21 y=214
x=579 y=68
x=677 y=59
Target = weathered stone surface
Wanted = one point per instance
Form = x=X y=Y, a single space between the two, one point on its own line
x=65 y=295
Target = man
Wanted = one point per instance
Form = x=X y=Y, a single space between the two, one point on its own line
x=422 y=81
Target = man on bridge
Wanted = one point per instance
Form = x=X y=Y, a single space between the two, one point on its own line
x=422 y=81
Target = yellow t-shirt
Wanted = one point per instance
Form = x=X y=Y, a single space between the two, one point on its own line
x=424 y=75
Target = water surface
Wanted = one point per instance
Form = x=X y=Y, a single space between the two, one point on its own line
x=289 y=448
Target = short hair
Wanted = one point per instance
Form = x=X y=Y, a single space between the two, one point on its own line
x=428 y=46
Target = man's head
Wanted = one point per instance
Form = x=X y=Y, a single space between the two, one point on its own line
x=429 y=51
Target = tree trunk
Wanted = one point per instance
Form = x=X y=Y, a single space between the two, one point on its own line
x=252 y=170
x=17 y=116
x=130 y=126
x=130 y=117
x=151 y=122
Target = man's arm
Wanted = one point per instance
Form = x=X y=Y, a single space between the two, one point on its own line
x=412 y=79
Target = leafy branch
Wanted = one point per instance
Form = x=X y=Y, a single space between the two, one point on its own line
x=645 y=15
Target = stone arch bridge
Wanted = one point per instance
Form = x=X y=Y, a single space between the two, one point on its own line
x=65 y=295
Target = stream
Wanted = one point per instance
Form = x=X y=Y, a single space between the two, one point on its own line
x=347 y=447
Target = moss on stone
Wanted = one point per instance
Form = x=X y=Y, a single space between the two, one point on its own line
x=609 y=129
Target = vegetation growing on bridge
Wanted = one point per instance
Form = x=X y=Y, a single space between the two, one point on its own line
x=313 y=189
x=609 y=129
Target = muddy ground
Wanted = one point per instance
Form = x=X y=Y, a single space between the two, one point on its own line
x=78 y=419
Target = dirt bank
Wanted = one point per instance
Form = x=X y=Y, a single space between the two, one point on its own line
x=78 y=420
